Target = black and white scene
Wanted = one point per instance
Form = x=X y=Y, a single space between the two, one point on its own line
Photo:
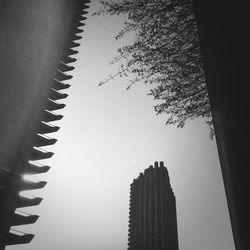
x=124 y=125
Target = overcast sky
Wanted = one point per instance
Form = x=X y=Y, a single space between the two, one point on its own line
x=108 y=136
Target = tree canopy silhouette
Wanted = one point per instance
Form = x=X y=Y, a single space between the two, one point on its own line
x=165 y=54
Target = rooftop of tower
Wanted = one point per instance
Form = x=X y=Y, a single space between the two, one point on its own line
x=152 y=168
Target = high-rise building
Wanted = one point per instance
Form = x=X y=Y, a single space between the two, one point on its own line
x=152 y=215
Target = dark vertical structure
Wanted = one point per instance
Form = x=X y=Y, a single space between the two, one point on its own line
x=152 y=215
x=223 y=29
x=37 y=45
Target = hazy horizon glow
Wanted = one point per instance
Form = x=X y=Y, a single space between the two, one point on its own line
x=108 y=136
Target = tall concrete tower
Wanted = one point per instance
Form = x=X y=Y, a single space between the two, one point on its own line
x=152 y=215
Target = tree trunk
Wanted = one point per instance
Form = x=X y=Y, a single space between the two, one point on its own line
x=222 y=30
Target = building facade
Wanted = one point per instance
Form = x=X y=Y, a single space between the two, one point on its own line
x=152 y=215
x=38 y=41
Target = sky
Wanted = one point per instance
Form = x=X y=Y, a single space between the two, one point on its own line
x=108 y=136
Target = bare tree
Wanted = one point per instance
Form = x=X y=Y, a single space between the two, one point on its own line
x=165 y=54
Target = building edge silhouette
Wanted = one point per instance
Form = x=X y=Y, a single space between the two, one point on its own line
x=38 y=44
